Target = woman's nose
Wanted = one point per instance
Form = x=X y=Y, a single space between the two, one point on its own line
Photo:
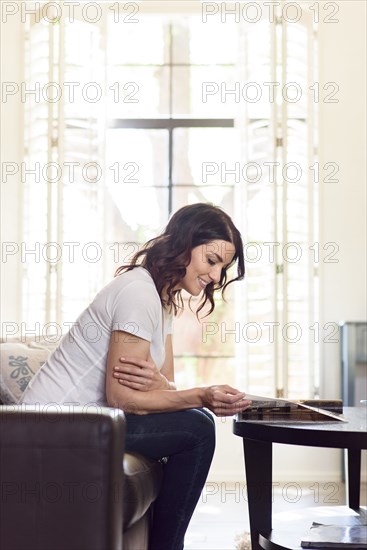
x=215 y=273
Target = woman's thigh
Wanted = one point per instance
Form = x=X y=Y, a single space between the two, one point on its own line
x=160 y=435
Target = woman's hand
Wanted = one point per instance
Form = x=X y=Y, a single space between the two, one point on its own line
x=224 y=400
x=138 y=374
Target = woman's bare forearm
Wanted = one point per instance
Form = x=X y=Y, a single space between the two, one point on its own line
x=155 y=401
x=125 y=389
x=222 y=400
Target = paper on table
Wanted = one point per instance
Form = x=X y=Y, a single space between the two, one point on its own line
x=336 y=536
x=282 y=410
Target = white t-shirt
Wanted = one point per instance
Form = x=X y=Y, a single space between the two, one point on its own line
x=75 y=373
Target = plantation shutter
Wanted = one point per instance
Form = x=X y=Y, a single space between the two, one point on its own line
x=279 y=347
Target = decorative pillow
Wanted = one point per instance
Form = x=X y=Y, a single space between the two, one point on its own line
x=18 y=364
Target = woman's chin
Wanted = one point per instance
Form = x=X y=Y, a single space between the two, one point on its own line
x=195 y=292
x=198 y=292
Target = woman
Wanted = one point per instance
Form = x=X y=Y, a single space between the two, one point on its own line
x=119 y=354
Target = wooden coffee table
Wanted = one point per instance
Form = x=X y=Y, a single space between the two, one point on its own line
x=258 y=438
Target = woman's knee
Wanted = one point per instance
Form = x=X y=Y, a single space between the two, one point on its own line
x=202 y=425
x=208 y=414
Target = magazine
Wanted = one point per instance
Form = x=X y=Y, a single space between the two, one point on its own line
x=266 y=409
x=336 y=536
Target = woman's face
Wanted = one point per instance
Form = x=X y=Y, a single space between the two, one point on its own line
x=207 y=262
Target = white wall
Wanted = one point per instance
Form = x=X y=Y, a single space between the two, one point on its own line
x=343 y=205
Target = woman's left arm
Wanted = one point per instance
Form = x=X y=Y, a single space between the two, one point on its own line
x=138 y=374
x=168 y=369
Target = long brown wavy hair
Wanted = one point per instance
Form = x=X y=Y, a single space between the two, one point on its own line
x=167 y=256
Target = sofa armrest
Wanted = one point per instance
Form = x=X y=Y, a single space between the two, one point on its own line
x=61 y=478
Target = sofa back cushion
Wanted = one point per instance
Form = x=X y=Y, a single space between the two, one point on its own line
x=19 y=362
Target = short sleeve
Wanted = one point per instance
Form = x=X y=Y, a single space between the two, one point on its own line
x=137 y=309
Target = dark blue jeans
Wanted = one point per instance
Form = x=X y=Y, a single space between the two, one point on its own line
x=187 y=438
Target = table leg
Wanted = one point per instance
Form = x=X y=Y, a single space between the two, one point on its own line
x=258 y=463
x=354 y=478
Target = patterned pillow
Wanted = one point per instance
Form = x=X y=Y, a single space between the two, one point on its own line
x=18 y=364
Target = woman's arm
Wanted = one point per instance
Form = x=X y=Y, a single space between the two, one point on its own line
x=146 y=376
x=222 y=400
x=168 y=369
x=136 y=401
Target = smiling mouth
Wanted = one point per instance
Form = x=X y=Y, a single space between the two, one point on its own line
x=202 y=283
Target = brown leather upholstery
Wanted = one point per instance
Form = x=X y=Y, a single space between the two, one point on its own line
x=62 y=483
x=141 y=485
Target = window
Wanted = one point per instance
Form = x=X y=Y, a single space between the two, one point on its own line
x=208 y=112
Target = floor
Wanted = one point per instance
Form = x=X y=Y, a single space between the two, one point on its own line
x=222 y=515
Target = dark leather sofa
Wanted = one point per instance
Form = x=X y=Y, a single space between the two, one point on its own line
x=66 y=483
